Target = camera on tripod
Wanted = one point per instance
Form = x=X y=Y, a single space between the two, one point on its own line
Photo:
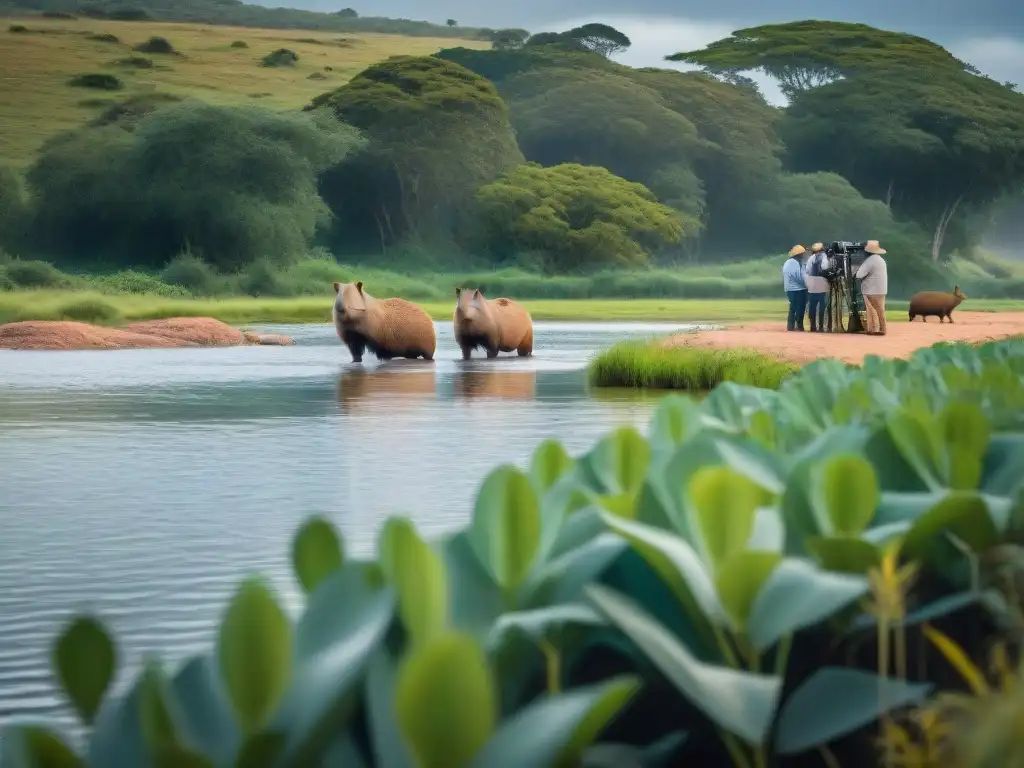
x=844 y=259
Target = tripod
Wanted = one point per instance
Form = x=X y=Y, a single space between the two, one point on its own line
x=843 y=315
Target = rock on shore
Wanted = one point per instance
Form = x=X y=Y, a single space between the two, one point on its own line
x=150 y=334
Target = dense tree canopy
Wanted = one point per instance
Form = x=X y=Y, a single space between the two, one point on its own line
x=232 y=184
x=807 y=54
x=437 y=132
x=575 y=216
x=936 y=149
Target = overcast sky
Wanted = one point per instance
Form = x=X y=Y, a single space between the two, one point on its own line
x=987 y=33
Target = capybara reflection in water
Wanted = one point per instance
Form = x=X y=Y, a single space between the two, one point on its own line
x=935 y=304
x=388 y=328
x=497 y=325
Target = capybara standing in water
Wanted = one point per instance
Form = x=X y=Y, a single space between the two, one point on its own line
x=387 y=327
x=497 y=325
x=935 y=304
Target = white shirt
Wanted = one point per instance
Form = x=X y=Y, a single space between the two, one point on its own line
x=816 y=284
x=874 y=276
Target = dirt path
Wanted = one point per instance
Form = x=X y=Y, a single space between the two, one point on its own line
x=901 y=339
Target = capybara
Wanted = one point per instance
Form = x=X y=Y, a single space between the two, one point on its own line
x=497 y=325
x=935 y=304
x=386 y=327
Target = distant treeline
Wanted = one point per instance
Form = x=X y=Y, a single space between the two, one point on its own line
x=236 y=13
x=544 y=155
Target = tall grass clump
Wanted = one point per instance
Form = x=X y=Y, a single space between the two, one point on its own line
x=192 y=274
x=89 y=309
x=650 y=365
x=35 y=274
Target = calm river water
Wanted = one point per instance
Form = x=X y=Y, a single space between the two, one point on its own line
x=143 y=484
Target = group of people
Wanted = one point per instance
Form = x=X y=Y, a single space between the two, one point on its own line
x=808 y=290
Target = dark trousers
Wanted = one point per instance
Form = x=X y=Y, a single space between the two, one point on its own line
x=816 y=304
x=797 y=307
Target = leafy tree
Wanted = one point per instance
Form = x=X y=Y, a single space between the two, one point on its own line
x=576 y=216
x=437 y=132
x=548 y=38
x=234 y=184
x=499 y=66
x=348 y=13
x=807 y=54
x=508 y=39
x=452 y=23
x=12 y=208
x=936 y=148
x=599 y=38
x=593 y=118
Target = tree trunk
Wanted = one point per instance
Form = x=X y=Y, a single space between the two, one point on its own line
x=942 y=226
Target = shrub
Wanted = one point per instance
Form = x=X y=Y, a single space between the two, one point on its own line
x=651 y=365
x=129 y=14
x=58 y=15
x=698 y=597
x=239 y=44
x=128 y=112
x=89 y=310
x=130 y=281
x=261 y=278
x=193 y=274
x=317 y=76
x=98 y=80
x=104 y=37
x=282 y=57
x=157 y=45
x=236 y=183
x=35 y=274
x=135 y=62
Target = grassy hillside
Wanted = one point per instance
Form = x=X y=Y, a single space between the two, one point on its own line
x=38 y=63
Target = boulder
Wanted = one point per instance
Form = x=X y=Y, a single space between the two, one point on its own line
x=197 y=331
x=37 y=334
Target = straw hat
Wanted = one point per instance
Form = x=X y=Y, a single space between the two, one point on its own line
x=873 y=247
x=818 y=247
x=796 y=250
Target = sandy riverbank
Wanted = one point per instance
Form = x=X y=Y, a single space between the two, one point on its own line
x=901 y=339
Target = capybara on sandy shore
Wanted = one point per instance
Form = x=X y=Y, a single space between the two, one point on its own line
x=388 y=328
x=151 y=334
x=935 y=304
x=497 y=325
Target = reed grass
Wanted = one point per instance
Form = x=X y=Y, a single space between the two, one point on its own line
x=650 y=365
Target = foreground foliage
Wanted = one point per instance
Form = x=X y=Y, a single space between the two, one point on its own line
x=702 y=594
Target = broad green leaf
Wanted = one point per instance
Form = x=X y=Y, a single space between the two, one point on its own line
x=543 y=623
x=762 y=428
x=388 y=746
x=678 y=565
x=965 y=425
x=740 y=580
x=346 y=619
x=799 y=595
x=417 y=574
x=204 y=710
x=117 y=737
x=26 y=745
x=725 y=505
x=555 y=730
x=316 y=552
x=85 y=659
x=621 y=504
x=562 y=579
x=506 y=529
x=549 y=464
x=917 y=442
x=844 y=554
x=446 y=702
x=965 y=468
x=158 y=726
x=261 y=750
x=474 y=600
x=742 y=703
x=617 y=464
x=254 y=653
x=849 y=488
x=769 y=534
x=675 y=419
x=965 y=515
x=834 y=702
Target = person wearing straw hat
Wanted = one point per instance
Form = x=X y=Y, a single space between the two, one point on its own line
x=874 y=284
x=795 y=287
x=817 y=286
